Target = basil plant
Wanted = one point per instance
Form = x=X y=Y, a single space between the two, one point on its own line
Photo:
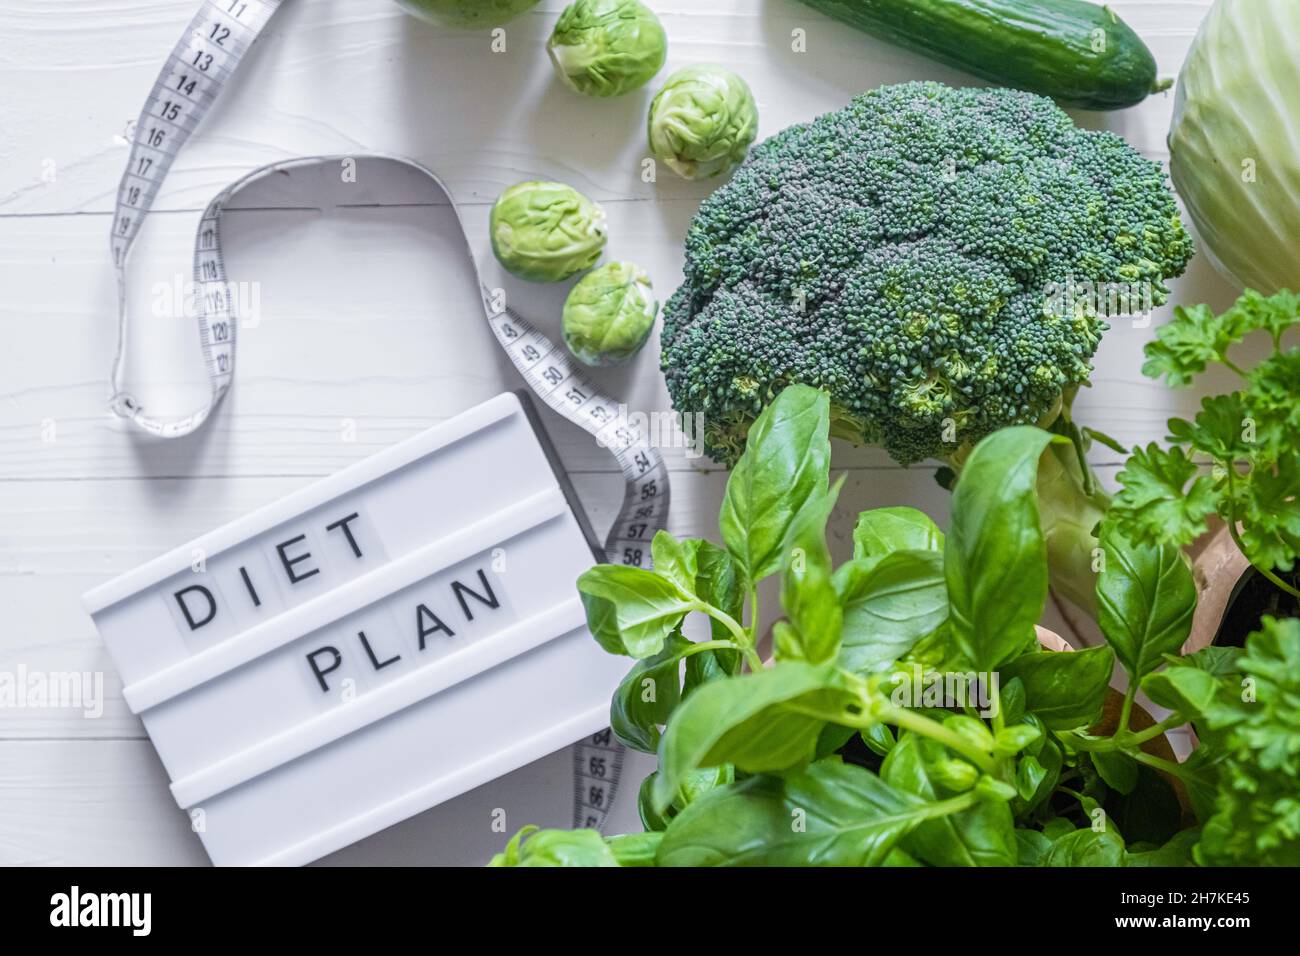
x=910 y=716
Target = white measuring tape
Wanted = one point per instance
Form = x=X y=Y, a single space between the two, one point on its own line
x=199 y=67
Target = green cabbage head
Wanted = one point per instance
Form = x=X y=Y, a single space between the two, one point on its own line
x=1235 y=141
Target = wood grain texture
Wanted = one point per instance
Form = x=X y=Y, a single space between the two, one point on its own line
x=366 y=336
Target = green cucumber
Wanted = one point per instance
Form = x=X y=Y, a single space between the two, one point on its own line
x=1079 y=53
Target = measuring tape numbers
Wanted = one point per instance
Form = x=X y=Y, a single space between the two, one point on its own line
x=197 y=70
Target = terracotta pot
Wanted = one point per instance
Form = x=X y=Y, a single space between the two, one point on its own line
x=1217 y=567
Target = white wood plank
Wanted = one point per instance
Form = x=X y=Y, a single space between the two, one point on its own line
x=106 y=803
x=366 y=336
x=88 y=803
x=77 y=73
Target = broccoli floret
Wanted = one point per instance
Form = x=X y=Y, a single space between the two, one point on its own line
x=906 y=254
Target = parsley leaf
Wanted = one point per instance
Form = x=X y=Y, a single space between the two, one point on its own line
x=1186 y=345
x=1271 y=514
x=1256 y=811
x=1219 y=431
x=1155 y=504
x=1272 y=314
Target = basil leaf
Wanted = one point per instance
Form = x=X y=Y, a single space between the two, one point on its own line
x=1086 y=848
x=719 y=582
x=1065 y=689
x=785 y=464
x=1118 y=769
x=635 y=849
x=1012 y=698
x=828 y=814
x=709 y=666
x=676 y=560
x=1038 y=774
x=631 y=610
x=884 y=530
x=534 y=847
x=807 y=594
x=1145 y=600
x=832 y=738
x=651 y=818
x=1219 y=661
x=1013 y=738
x=1176 y=852
x=1032 y=847
x=889 y=605
x=984 y=835
x=647 y=695
x=1200 y=775
x=694 y=785
x=1057 y=827
x=879 y=738
x=1188 y=690
x=767 y=721
x=995 y=559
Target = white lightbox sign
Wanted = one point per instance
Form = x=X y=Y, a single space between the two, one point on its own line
x=372 y=645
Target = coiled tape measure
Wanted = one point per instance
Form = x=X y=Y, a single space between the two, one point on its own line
x=200 y=66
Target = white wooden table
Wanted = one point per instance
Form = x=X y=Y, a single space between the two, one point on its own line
x=361 y=344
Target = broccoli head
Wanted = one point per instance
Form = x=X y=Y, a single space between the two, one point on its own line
x=914 y=254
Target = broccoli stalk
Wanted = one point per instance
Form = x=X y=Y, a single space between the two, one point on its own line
x=1071 y=504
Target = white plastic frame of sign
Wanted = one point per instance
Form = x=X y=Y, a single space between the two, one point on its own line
x=370 y=646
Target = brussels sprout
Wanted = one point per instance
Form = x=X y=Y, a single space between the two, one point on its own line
x=609 y=314
x=607 y=47
x=546 y=232
x=467 y=13
x=702 y=121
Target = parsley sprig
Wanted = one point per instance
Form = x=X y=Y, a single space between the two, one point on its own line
x=1248 y=438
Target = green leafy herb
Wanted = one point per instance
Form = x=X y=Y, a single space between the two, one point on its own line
x=767 y=721
x=648 y=695
x=917 y=659
x=827 y=814
x=788 y=466
x=1145 y=600
x=889 y=605
x=1063 y=690
x=995 y=557
x=1256 y=818
x=807 y=591
x=632 y=611
x=1246 y=438
x=884 y=530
